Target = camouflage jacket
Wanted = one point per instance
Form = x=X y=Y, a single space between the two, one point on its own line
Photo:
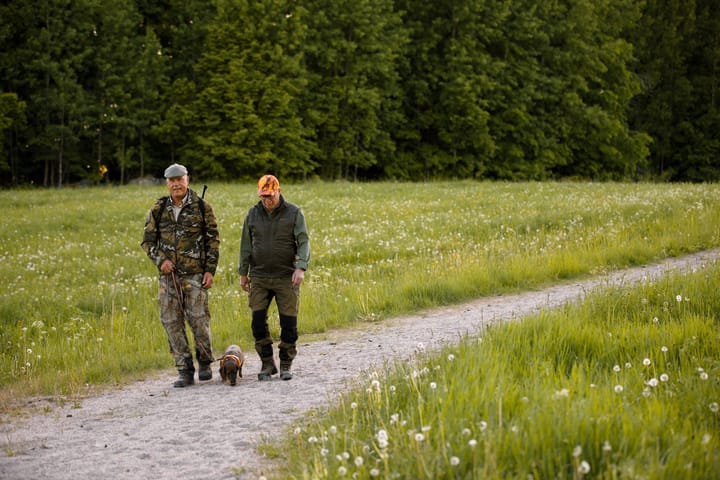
x=191 y=244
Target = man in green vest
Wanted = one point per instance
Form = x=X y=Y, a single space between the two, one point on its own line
x=274 y=254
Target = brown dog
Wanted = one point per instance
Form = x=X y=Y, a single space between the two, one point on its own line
x=231 y=364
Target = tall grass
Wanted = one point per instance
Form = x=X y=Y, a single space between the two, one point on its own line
x=625 y=385
x=80 y=299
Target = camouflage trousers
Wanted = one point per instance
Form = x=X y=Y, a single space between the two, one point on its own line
x=182 y=298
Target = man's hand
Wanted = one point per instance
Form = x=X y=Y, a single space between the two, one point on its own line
x=207 y=280
x=245 y=283
x=298 y=277
x=167 y=266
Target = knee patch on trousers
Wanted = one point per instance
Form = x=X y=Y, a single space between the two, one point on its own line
x=259 y=325
x=288 y=329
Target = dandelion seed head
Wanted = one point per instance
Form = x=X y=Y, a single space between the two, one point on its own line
x=419 y=437
x=656 y=320
x=577 y=451
x=454 y=461
x=483 y=425
x=616 y=368
x=647 y=362
x=653 y=382
x=706 y=439
x=703 y=376
x=359 y=461
x=714 y=407
x=433 y=385
x=584 y=467
x=342 y=471
x=664 y=377
x=451 y=357
x=353 y=405
x=374 y=472
x=606 y=446
x=618 y=388
x=664 y=349
x=472 y=442
x=678 y=298
x=333 y=429
x=466 y=432
x=628 y=365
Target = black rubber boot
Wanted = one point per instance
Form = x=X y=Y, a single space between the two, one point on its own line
x=205 y=372
x=185 y=378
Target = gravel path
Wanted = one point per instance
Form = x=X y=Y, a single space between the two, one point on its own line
x=149 y=430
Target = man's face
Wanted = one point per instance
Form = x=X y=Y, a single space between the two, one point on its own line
x=177 y=186
x=270 y=201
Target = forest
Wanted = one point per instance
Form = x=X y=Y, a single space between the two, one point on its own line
x=112 y=91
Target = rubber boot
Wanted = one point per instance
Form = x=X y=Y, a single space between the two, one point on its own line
x=205 y=372
x=185 y=378
x=265 y=351
x=186 y=375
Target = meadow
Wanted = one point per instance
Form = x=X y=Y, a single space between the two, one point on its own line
x=79 y=305
x=623 y=385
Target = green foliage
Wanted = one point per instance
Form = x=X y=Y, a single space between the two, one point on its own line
x=356 y=90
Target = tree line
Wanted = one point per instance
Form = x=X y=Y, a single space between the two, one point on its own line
x=115 y=90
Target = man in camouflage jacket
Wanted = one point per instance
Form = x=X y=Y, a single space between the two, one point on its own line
x=181 y=238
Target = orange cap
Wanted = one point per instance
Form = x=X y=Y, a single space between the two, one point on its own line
x=268 y=185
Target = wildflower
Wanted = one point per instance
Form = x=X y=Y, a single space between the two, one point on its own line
x=454 y=461
x=577 y=451
x=374 y=472
x=394 y=418
x=359 y=461
x=482 y=425
x=382 y=438
x=562 y=393
x=426 y=428
x=324 y=452
x=606 y=446
x=703 y=376
x=420 y=346
x=333 y=429
x=297 y=430
x=342 y=471
x=653 y=382
x=29 y=351
x=646 y=392
x=664 y=349
x=451 y=357
x=466 y=432
x=714 y=407
x=584 y=467
x=345 y=455
x=392 y=388
x=628 y=365
x=472 y=443
x=664 y=377
x=433 y=385
x=678 y=298
x=419 y=437
x=375 y=384
x=313 y=439
x=656 y=319
x=616 y=368
x=647 y=362
x=99 y=339
x=706 y=439
x=618 y=388
x=353 y=405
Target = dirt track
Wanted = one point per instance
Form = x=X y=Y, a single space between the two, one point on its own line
x=209 y=431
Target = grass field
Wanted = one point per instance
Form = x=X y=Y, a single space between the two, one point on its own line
x=80 y=299
x=625 y=385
